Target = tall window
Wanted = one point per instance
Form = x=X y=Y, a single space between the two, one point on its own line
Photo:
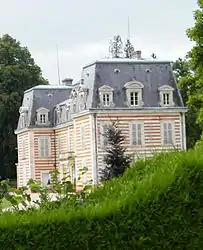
x=42 y=118
x=82 y=135
x=166 y=99
x=45 y=177
x=133 y=98
x=59 y=144
x=104 y=131
x=106 y=99
x=44 y=146
x=23 y=149
x=136 y=134
x=167 y=133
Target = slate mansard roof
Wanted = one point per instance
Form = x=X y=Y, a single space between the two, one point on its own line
x=114 y=73
x=152 y=74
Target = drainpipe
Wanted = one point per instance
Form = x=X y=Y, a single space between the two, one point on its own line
x=94 y=151
x=54 y=140
x=183 y=131
x=54 y=148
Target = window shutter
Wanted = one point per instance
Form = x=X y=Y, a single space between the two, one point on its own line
x=134 y=134
x=165 y=133
x=46 y=147
x=139 y=134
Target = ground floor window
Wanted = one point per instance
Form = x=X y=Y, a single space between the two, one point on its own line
x=45 y=177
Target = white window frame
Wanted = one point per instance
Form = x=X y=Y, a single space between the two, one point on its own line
x=45 y=172
x=42 y=112
x=134 y=87
x=166 y=90
x=40 y=153
x=141 y=135
x=105 y=91
x=167 y=122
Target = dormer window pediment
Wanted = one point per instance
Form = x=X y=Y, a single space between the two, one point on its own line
x=106 y=96
x=166 y=95
x=134 y=93
x=42 y=116
x=134 y=85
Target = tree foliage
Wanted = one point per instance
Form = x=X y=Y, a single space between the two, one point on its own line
x=116 y=161
x=190 y=79
x=129 y=49
x=116 y=47
x=18 y=72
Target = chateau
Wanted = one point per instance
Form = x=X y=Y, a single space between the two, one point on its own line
x=60 y=127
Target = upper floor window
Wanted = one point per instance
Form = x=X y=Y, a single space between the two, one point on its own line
x=134 y=98
x=166 y=95
x=82 y=135
x=134 y=93
x=42 y=116
x=106 y=99
x=44 y=146
x=137 y=137
x=167 y=133
x=106 y=96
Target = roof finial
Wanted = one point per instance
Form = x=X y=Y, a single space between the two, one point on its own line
x=57 y=54
x=128 y=28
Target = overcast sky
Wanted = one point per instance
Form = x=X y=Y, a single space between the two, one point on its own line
x=82 y=29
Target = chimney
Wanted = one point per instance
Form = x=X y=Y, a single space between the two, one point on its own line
x=67 y=81
x=138 y=54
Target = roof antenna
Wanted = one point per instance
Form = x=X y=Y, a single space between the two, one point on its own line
x=128 y=37
x=58 y=71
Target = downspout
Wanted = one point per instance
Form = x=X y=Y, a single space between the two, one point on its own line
x=94 y=147
x=54 y=148
x=183 y=131
x=54 y=123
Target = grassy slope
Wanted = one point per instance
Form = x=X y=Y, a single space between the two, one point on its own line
x=156 y=205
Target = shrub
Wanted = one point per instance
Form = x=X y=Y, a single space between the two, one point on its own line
x=156 y=204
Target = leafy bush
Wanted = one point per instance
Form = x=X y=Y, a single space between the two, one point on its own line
x=156 y=204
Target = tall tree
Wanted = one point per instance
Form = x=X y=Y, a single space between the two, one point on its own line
x=129 y=49
x=18 y=72
x=116 y=161
x=116 y=47
x=185 y=77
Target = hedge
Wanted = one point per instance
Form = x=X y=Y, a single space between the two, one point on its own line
x=157 y=204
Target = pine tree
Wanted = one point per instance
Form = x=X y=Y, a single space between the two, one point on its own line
x=116 y=161
x=129 y=49
x=116 y=47
x=153 y=56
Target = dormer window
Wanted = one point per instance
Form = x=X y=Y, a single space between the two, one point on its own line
x=166 y=98
x=134 y=93
x=166 y=95
x=134 y=98
x=106 y=99
x=42 y=116
x=106 y=96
